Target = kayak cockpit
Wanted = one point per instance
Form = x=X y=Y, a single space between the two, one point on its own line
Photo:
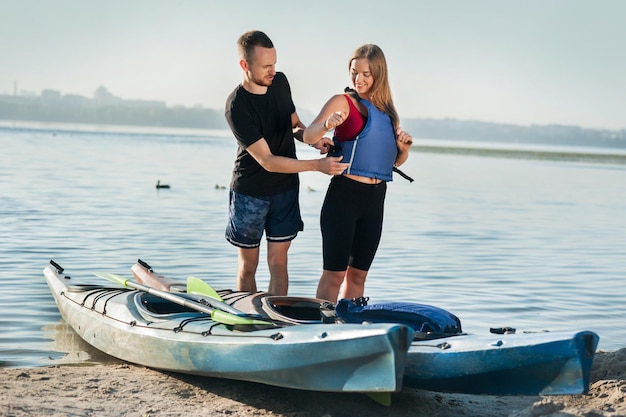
x=297 y=310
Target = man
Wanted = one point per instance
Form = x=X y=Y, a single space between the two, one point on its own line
x=264 y=186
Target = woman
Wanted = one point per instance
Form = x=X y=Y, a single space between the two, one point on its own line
x=367 y=134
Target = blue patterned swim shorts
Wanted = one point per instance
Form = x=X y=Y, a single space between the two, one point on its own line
x=277 y=215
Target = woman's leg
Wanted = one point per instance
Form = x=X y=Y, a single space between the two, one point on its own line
x=328 y=287
x=354 y=285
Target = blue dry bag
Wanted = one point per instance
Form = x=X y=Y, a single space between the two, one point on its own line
x=421 y=317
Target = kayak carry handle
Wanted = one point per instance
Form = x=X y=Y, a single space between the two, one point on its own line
x=58 y=267
x=145 y=265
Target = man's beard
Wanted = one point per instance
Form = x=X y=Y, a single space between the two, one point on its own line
x=262 y=81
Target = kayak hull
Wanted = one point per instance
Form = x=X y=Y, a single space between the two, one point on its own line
x=545 y=363
x=321 y=357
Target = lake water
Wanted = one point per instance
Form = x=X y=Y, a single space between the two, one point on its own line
x=535 y=244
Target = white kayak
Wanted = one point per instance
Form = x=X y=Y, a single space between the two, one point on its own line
x=146 y=329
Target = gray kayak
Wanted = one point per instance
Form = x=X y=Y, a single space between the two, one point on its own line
x=148 y=330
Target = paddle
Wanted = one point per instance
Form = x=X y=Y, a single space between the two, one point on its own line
x=145 y=275
x=216 y=314
x=198 y=287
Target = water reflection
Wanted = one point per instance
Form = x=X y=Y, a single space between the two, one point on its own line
x=72 y=348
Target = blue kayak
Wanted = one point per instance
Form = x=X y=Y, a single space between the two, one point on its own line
x=545 y=363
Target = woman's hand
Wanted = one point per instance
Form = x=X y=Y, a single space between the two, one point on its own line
x=323 y=145
x=334 y=120
x=403 y=140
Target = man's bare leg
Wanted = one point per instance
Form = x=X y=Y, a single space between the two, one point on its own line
x=247 y=265
x=277 y=263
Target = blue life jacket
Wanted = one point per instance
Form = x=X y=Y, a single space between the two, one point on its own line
x=373 y=152
x=421 y=317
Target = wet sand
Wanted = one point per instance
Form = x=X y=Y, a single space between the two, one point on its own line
x=128 y=390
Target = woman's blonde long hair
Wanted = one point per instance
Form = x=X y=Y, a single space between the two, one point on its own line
x=381 y=92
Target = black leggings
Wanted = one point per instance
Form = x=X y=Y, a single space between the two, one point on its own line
x=351 y=223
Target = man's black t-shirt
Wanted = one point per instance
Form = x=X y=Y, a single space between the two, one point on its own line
x=252 y=117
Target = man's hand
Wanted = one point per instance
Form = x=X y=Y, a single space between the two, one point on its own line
x=332 y=165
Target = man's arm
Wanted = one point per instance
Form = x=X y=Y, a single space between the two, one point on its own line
x=298 y=127
x=260 y=151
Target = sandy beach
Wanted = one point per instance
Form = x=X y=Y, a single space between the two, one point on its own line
x=128 y=390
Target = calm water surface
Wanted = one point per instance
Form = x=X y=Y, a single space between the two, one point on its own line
x=533 y=244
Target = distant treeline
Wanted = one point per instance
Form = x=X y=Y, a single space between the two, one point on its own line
x=535 y=134
x=19 y=108
x=14 y=108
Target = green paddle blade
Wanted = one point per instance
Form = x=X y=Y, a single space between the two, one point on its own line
x=197 y=286
x=383 y=398
x=112 y=277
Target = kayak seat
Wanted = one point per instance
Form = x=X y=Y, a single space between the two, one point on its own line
x=297 y=310
x=160 y=306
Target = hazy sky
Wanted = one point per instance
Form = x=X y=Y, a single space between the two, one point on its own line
x=508 y=61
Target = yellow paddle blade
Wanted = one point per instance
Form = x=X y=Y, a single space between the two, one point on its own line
x=199 y=287
x=383 y=398
x=113 y=277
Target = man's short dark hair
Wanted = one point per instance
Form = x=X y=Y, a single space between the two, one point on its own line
x=249 y=40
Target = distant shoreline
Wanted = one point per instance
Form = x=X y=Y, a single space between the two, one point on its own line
x=108 y=128
x=501 y=149
x=557 y=155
